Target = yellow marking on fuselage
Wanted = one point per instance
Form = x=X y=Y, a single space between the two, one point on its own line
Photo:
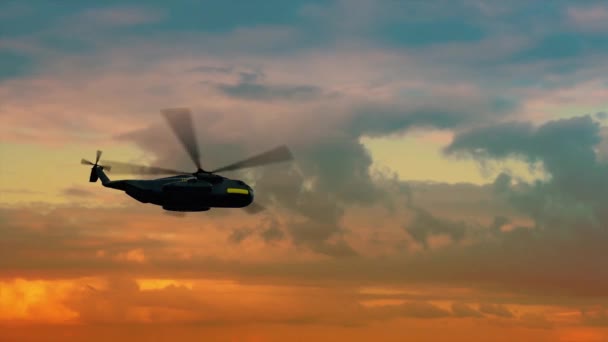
x=237 y=191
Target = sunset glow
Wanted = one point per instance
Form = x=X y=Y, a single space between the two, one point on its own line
x=449 y=181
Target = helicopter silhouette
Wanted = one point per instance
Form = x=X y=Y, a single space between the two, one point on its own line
x=187 y=191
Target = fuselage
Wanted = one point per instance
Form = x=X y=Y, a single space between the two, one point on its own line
x=187 y=192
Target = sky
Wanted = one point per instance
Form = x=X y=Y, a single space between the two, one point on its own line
x=450 y=175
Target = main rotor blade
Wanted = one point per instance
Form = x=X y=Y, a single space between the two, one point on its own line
x=278 y=154
x=128 y=168
x=180 y=121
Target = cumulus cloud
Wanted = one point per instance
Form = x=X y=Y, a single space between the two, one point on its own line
x=566 y=148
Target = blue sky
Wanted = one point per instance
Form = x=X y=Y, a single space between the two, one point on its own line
x=557 y=29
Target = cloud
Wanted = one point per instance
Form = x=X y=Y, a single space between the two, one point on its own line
x=318 y=77
x=133 y=255
x=35 y=301
x=589 y=18
x=251 y=86
x=565 y=147
x=425 y=226
x=108 y=242
x=78 y=241
x=117 y=16
x=205 y=302
x=212 y=69
x=567 y=206
x=595 y=316
x=413 y=309
x=463 y=310
x=77 y=192
x=122 y=301
x=496 y=310
x=272 y=232
x=259 y=92
x=239 y=235
x=536 y=321
x=20 y=191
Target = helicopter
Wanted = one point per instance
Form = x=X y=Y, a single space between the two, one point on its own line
x=186 y=191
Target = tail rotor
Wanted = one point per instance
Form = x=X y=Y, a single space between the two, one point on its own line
x=93 y=177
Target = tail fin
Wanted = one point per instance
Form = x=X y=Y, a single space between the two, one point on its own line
x=93 y=177
x=97 y=170
x=97 y=173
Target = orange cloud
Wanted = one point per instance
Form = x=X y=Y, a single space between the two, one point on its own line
x=40 y=301
x=134 y=255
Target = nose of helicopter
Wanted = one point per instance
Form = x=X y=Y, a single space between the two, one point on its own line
x=240 y=194
x=251 y=194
